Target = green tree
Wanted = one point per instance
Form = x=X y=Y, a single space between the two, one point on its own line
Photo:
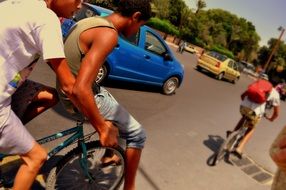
x=162 y=8
x=200 y=5
x=109 y=4
x=175 y=11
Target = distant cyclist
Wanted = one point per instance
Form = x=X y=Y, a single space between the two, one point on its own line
x=254 y=101
x=281 y=88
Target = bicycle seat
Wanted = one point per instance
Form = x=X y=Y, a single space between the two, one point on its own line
x=248 y=113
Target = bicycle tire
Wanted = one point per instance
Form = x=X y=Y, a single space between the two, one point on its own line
x=232 y=141
x=68 y=174
x=220 y=154
x=226 y=147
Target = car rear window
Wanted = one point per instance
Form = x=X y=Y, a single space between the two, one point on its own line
x=217 y=56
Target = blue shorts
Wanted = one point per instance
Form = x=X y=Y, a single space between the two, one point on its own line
x=129 y=128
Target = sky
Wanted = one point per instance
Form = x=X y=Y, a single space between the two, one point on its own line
x=266 y=15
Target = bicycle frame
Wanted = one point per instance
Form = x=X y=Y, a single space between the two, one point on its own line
x=78 y=134
x=241 y=133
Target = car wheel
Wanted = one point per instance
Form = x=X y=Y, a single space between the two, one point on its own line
x=220 y=76
x=170 y=85
x=102 y=74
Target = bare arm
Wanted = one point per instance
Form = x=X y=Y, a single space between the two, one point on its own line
x=97 y=47
x=278 y=150
x=64 y=75
x=275 y=113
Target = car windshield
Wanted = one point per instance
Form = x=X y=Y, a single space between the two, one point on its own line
x=217 y=56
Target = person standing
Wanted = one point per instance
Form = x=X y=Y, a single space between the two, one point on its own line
x=86 y=47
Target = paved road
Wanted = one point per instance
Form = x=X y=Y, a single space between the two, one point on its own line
x=183 y=131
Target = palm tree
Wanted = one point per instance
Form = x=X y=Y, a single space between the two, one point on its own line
x=200 y=5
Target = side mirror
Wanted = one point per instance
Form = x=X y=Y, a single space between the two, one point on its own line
x=167 y=57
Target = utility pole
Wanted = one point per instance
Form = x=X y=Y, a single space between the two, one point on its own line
x=265 y=68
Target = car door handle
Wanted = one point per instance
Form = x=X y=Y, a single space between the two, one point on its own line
x=147 y=56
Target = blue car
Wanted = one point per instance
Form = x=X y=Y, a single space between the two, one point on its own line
x=143 y=58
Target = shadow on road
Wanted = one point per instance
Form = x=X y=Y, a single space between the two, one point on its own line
x=131 y=86
x=9 y=170
x=213 y=143
x=148 y=178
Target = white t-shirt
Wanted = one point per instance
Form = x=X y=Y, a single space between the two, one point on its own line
x=28 y=29
x=259 y=109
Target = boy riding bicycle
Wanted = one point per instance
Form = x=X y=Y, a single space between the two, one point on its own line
x=255 y=99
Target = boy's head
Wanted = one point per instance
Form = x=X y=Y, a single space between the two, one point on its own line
x=137 y=11
x=128 y=7
x=64 y=8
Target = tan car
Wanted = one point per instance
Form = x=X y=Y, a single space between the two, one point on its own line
x=220 y=65
x=190 y=49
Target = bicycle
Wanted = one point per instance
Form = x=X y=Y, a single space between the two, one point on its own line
x=82 y=167
x=232 y=141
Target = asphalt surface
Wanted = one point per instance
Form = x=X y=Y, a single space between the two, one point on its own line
x=184 y=131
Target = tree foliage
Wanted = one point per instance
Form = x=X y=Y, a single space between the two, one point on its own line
x=163 y=25
x=213 y=29
x=161 y=8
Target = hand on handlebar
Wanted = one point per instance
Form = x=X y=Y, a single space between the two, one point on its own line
x=268 y=118
x=109 y=135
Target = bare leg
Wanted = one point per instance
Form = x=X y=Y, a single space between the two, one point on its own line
x=44 y=100
x=239 y=124
x=132 y=162
x=27 y=172
x=245 y=139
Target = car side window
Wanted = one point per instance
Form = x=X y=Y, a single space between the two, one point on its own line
x=133 y=39
x=154 y=45
x=230 y=64
x=85 y=12
x=235 y=67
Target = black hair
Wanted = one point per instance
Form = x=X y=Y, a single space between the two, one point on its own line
x=129 y=7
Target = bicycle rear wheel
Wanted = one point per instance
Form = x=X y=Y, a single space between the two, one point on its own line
x=68 y=173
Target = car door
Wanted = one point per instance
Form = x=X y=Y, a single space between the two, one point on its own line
x=236 y=69
x=229 y=71
x=125 y=58
x=233 y=70
x=155 y=67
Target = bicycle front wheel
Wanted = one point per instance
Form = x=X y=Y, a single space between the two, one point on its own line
x=233 y=141
x=69 y=174
x=220 y=154
x=227 y=146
